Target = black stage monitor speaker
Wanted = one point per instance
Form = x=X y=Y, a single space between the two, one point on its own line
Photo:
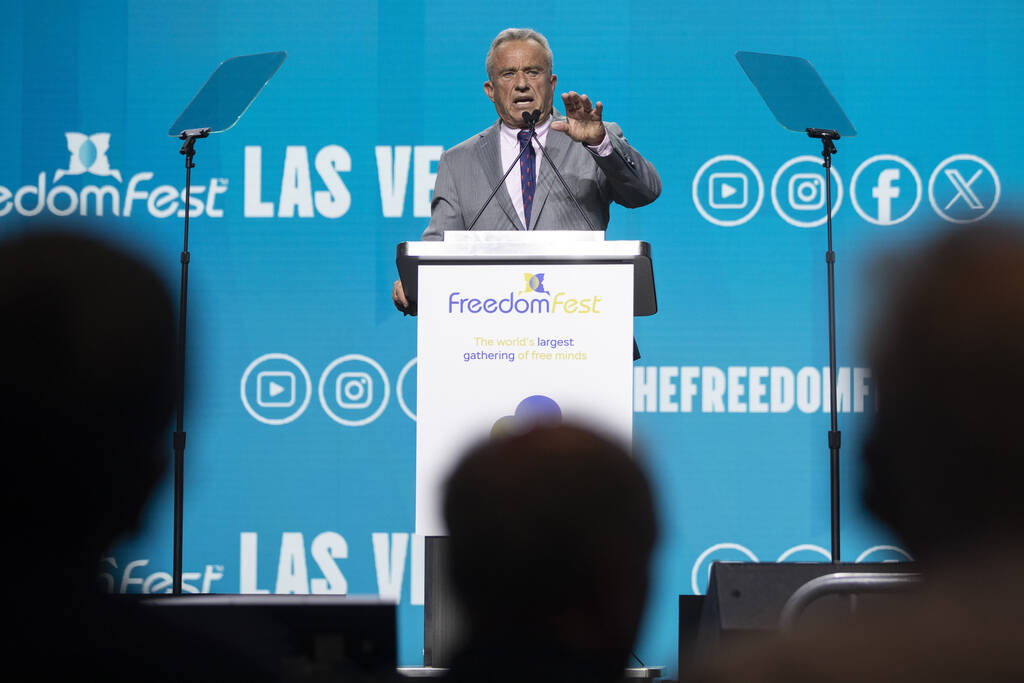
x=745 y=599
x=326 y=635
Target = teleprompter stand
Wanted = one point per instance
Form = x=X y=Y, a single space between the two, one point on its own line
x=800 y=101
x=215 y=108
x=188 y=149
x=828 y=138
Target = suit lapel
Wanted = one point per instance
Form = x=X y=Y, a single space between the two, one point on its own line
x=489 y=152
x=556 y=147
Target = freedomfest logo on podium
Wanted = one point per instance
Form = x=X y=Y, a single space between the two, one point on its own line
x=560 y=303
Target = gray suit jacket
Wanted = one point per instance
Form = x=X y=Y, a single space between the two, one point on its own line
x=467 y=172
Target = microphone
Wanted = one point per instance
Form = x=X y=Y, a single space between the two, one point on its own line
x=530 y=120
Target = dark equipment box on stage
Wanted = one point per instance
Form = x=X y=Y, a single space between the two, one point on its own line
x=325 y=634
x=745 y=599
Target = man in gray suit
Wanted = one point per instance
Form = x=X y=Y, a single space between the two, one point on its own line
x=601 y=169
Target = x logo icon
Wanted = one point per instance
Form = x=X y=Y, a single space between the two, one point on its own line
x=980 y=192
x=963 y=189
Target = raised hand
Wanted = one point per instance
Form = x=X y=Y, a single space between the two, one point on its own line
x=582 y=119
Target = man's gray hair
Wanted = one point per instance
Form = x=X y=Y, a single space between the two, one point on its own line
x=510 y=34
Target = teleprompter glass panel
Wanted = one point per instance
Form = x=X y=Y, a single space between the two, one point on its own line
x=795 y=93
x=228 y=92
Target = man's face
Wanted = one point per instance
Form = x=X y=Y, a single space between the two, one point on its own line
x=521 y=81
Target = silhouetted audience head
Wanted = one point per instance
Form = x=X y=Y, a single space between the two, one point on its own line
x=943 y=466
x=945 y=456
x=551 y=533
x=86 y=361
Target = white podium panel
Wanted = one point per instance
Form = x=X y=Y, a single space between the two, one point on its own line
x=502 y=345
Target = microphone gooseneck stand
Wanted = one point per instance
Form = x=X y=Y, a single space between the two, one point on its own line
x=531 y=119
x=188 y=149
x=500 y=182
x=828 y=138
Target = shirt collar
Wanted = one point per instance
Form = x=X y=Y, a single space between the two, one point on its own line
x=510 y=133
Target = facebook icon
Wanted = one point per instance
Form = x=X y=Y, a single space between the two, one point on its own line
x=891 y=198
x=884 y=191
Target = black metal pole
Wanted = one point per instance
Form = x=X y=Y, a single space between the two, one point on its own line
x=827 y=138
x=188 y=149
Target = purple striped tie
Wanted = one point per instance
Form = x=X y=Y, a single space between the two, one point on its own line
x=527 y=173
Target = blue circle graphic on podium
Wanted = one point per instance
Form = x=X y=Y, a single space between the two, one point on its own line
x=531 y=411
x=537 y=410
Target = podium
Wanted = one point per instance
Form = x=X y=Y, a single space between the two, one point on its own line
x=516 y=328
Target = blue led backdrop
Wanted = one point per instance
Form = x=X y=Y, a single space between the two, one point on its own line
x=301 y=403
